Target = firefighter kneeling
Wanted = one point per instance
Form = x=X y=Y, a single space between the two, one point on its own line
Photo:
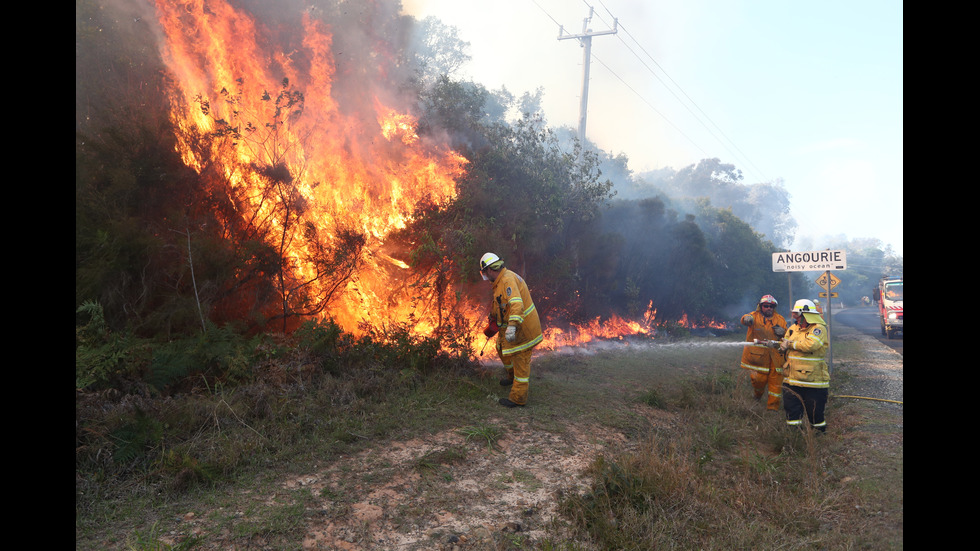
x=806 y=378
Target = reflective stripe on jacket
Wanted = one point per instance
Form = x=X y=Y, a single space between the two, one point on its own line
x=518 y=309
x=805 y=364
x=757 y=357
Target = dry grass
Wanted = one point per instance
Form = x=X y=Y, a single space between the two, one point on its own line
x=634 y=448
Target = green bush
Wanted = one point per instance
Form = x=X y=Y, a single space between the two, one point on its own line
x=622 y=488
x=416 y=353
x=219 y=355
x=104 y=358
x=135 y=437
x=324 y=341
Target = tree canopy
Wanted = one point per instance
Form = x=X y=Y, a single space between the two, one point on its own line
x=155 y=245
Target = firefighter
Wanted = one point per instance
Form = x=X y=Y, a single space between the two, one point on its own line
x=764 y=363
x=513 y=312
x=806 y=378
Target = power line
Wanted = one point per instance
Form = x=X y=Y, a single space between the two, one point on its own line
x=650 y=105
x=692 y=102
x=689 y=101
x=688 y=97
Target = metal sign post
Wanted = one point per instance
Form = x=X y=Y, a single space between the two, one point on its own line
x=828 y=281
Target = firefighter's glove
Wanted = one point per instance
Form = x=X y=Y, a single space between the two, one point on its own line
x=780 y=331
x=511 y=333
x=784 y=346
x=748 y=320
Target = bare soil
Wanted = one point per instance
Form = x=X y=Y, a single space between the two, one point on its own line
x=394 y=498
x=448 y=491
x=512 y=488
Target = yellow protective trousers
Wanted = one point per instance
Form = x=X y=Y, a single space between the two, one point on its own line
x=764 y=364
x=512 y=305
x=518 y=366
x=769 y=384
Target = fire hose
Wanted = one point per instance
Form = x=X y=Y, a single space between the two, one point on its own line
x=761 y=342
x=869 y=398
x=775 y=344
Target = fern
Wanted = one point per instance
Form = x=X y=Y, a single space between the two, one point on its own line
x=96 y=327
x=137 y=437
x=99 y=364
x=219 y=353
x=100 y=355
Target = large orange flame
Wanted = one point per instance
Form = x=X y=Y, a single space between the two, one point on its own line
x=616 y=328
x=282 y=124
x=297 y=163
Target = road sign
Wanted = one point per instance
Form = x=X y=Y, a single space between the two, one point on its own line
x=809 y=261
x=822 y=280
x=824 y=295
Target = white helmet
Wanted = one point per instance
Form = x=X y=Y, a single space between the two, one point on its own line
x=768 y=299
x=492 y=261
x=803 y=306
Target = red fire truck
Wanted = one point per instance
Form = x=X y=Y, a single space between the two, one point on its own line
x=888 y=295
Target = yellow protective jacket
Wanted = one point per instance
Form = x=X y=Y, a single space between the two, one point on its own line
x=757 y=357
x=512 y=305
x=805 y=364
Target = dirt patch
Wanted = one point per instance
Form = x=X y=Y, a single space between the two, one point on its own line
x=450 y=491
x=510 y=488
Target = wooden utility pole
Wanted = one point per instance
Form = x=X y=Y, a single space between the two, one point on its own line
x=585 y=39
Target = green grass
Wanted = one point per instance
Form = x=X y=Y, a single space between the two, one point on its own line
x=482 y=433
x=703 y=465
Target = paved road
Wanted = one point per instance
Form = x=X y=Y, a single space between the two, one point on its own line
x=865 y=320
x=877 y=371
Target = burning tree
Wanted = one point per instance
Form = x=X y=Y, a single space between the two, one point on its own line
x=309 y=272
x=318 y=181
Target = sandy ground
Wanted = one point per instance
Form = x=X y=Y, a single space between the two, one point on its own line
x=448 y=491
x=512 y=489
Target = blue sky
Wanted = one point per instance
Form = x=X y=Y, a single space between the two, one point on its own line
x=809 y=93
